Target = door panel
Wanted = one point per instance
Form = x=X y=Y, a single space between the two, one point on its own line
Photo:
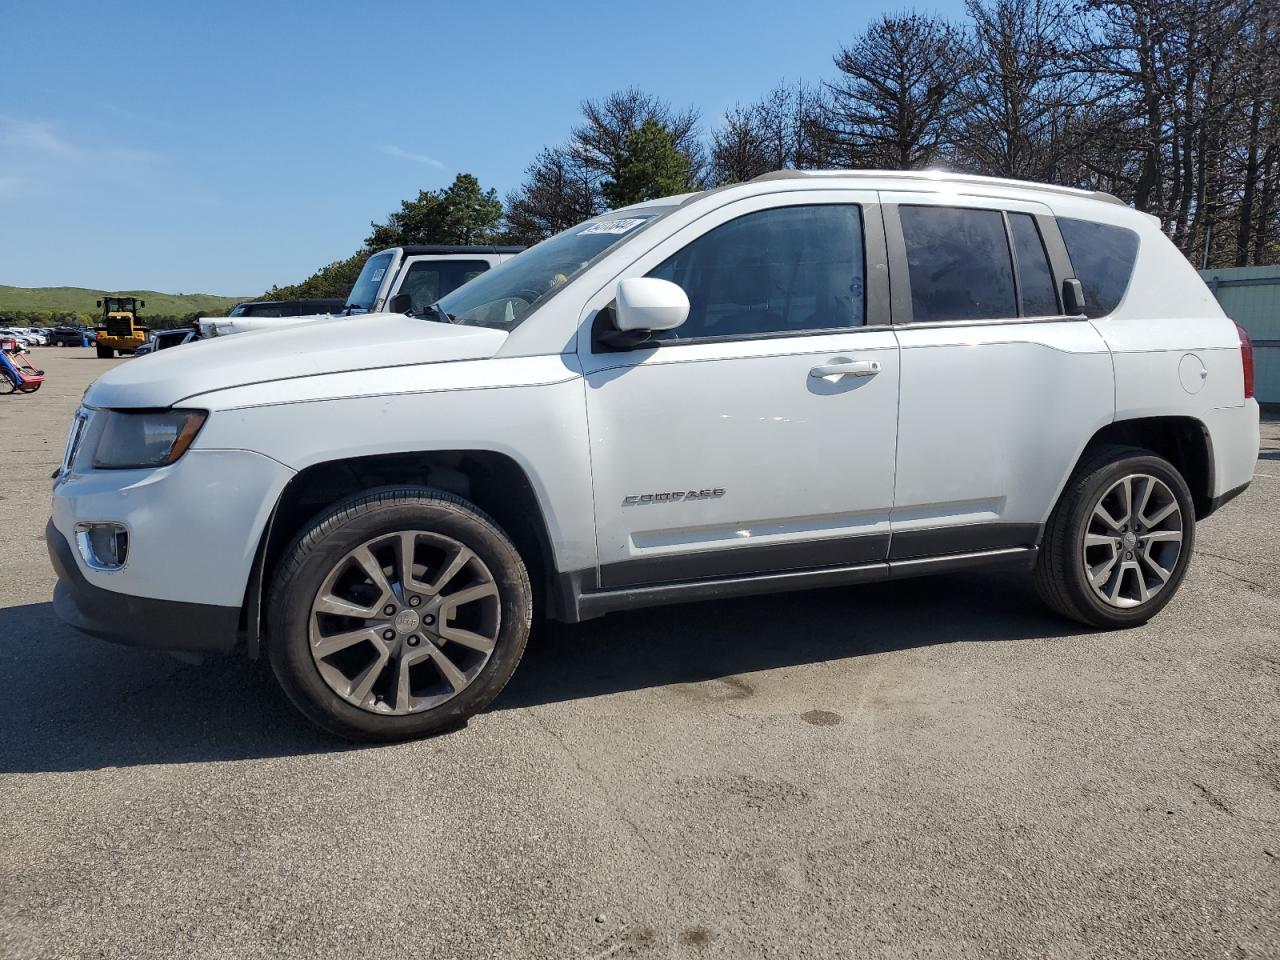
x=992 y=418
x=736 y=454
x=994 y=412
x=758 y=438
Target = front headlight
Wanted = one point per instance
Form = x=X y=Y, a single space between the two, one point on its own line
x=152 y=438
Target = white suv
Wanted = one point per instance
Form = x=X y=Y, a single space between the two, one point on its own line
x=811 y=379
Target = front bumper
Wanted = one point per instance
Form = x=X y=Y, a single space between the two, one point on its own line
x=135 y=621
x=194 y=526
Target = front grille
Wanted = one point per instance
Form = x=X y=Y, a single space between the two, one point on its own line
x=119 y=326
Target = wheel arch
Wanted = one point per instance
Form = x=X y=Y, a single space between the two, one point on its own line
x=495 y=482
x=1182 y=440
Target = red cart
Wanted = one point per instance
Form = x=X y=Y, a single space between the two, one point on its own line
x=16 y=371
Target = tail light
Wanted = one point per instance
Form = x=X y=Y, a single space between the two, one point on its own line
x=1246 y=360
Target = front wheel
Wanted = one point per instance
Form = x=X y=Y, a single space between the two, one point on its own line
x=400 y=613
x=1118 y=543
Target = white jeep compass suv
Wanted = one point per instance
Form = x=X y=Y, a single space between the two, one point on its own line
x=811 y=379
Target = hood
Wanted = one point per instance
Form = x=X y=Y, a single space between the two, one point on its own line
x=367 y=342
x=225 y=326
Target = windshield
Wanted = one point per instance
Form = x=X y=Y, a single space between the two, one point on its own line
x=370 y=280
x=509 y=292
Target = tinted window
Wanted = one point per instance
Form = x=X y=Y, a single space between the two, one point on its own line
x=1035 y=279
x=1102 y=257
x=777 y=271
x=426 y=281
x=959 y=265
x=262 y=310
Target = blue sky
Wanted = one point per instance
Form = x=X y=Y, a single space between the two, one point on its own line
x=222 y=147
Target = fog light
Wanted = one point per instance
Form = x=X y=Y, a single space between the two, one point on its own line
x=103 y=546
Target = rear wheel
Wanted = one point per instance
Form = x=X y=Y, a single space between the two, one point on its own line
x=6 y=382
x=400 y=613
x=1118 y=543
x=105 y=353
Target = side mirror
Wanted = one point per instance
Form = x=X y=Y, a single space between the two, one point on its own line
x=1073 y=297
x=400 y=303
x=98 y=304
x=650 y=304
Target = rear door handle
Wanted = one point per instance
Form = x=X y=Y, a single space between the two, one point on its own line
x=844 y=367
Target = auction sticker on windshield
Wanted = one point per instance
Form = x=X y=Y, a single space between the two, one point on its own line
x=613 y=226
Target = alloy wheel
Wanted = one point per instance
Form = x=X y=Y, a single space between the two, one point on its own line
x=404 y=622
x=1133 y=541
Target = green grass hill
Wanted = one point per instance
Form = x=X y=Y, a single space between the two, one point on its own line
x=80 y=301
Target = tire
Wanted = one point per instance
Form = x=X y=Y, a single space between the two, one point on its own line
x=6 y=383
x=439 y=648
x=105 y=353
x=1079 y=541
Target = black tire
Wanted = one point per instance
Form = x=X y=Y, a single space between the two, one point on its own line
x=105 y=353
x=1060 y=575
x=6 y=383
x=320 y=546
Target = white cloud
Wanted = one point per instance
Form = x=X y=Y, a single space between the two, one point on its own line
x=403 y=154
x=35 y=155
x=32 y=137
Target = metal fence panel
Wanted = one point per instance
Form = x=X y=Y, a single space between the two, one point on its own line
x=1251 y=297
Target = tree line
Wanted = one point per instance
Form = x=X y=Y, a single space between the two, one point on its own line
x=1171 y=105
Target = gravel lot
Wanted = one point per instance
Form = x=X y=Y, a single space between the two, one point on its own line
x=933 y=768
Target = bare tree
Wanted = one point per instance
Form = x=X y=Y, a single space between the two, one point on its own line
x=896 y=100
x=557 y=193
x=1173 y=105
x=1256 y=225
x=785 y=129
x=1017 y=92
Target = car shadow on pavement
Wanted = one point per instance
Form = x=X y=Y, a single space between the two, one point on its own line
x=75 y=703
x=707 y=641
x=82 y=704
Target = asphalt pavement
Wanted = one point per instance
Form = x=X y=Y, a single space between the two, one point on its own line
x=932 y=768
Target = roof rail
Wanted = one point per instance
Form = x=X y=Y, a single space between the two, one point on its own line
x=936 y=176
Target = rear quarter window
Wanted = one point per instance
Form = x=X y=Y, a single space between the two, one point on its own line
x=1102 y=257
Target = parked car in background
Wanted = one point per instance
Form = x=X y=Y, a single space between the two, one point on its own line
x=23 y=338
x=36 y=336
x=809 y=379
x=420 y=274
x=245 y=316
x=287 y=308
x=70 y=336
x=164 y=339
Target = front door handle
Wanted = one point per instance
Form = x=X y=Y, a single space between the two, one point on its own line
x=844 y=367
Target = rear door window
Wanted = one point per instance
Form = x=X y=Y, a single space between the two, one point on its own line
x=1102 y=257
x=959 y=264
x=1035 y=280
